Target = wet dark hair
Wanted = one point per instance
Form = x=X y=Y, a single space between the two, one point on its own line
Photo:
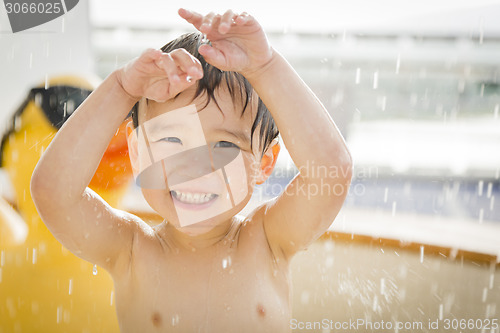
x=237 y=85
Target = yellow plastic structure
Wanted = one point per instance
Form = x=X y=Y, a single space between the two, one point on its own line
x=43 y=287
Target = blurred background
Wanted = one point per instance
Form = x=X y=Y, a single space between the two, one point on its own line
x=415 y=89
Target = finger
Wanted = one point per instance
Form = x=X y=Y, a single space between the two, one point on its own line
x=189 y=65
x=169 y=66
x=192 y=17
x=244 y=18
x=226 y=21
x=151 y=54
x=206 y=24
x=212 y=55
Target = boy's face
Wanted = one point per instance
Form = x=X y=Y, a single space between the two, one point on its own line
x=196 y=168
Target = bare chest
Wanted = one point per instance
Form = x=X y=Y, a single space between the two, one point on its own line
x=220 y=290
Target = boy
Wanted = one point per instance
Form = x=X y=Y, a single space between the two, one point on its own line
x=221 y=273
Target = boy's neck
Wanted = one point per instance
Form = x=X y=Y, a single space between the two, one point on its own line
x=192 y=242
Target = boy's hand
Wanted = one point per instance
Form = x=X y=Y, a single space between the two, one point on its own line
x=238 y=42
x=159 y=76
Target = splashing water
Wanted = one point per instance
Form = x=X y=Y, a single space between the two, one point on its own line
x=94 y=270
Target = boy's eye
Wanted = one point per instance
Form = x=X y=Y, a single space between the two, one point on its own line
x=225 y=144
x=172 y=139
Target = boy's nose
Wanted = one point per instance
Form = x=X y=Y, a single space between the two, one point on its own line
x=185 y=166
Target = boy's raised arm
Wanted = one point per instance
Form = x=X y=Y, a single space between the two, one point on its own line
x=76 y=215
x=311 y=201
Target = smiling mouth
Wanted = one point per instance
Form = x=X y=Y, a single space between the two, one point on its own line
x=193 y=198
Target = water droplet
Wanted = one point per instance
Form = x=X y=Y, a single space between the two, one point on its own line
x=111 y=298
x=175 y=320
x=398 y=63
x=358 y=75
x=329 y=261
x=386 y=192
x=94 y=270
x=382 y=102
x=489 y=190
x=421 y=253
x=481 y=31
x=304 y=297
x=226 y=262
x=375 y=80
x=34 y=257
x=485 y=295
x=481 y=215
x=70 y=287
x=495 y=112
x=375 y=303
x=394 y=208
x=441 y=307
x=480 y=188
x=492 y=278
x=59 y=314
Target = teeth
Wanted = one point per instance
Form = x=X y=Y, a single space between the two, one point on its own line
x=193 y=198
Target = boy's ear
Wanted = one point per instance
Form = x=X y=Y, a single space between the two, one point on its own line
x=132 y=147
x=268 y=161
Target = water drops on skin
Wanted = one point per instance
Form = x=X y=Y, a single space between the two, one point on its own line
x=175 y=320
x=226 y=262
